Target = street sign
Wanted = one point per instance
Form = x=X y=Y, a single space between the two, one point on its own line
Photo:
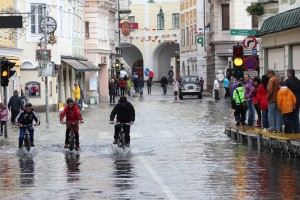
x=250 y=63
x=132 y=25
x=242 y=32
x=249 y=42
x=125 y=29
x=147 y=71
x=43 y=55
x=11 y=22
x=254 y=52
x=46 y=69
x=252 y=74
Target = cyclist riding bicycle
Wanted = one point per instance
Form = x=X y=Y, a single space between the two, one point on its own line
x=25 y=118
x=125 y=114
x=72 y=113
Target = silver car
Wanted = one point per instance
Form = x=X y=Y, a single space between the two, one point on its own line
x=190 y=86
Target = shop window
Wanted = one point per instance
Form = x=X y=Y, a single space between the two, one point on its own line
x=34 y=89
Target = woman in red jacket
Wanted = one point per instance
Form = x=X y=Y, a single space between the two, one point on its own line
x=262 y=100
x=122 y=85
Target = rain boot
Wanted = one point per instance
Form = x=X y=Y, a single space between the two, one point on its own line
x=258 y=123
x=20 y=143
x=115 y=141
x=32 y=143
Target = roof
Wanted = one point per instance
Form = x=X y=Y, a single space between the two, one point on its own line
x=281 y=22
x=76 y=65
x=89 y=65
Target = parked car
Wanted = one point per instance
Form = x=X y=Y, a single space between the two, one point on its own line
x=190 y=86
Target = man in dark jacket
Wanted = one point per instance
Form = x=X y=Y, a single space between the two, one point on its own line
x=112 y=91
x=293 y=83
x=125 y=114
x=15 y=105
x=164 y=84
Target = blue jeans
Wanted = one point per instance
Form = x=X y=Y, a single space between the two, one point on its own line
x=274 y=117
x=251 y=113
x=296 y=121
x=141 y=90
x=23 y=130
x=265 y=121
x=165 y=89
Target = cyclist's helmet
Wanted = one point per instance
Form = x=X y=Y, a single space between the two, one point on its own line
x=70 y=100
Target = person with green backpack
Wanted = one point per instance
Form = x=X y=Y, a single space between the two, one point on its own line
x=240 y=104
x=128 y=85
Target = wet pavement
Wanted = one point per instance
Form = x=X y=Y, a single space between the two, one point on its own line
x=178 y=151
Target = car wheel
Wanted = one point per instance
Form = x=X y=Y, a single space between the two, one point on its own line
x=200 y=96
x=180 y=96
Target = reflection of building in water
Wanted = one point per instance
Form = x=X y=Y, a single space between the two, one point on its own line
x=73 y=162
x=240 y=180
x=123 y=174
x=5 y=174
x=26 y=172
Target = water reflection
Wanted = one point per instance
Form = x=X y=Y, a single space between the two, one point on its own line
x=27 y=172
x=123 y=174
x=73 y=163
x=5 y=174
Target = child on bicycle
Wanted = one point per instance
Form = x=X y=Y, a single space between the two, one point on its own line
x=125 y=114
x=25 y=118
x=72 y=113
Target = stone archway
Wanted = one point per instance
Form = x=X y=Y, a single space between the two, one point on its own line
x=132 y=57
x=162 y=57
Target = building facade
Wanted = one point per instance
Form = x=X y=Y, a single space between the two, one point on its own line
x=221 y=17
x=192 y=46
x=154 y=45
x=279 y=32
x=99 y=16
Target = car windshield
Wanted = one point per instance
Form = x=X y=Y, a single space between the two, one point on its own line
x=186 y=80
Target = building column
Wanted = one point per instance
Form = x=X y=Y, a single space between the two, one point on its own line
x=67 y=83
x=72 y=81
x=288 y=57
x=264 y=61
x=61 y=91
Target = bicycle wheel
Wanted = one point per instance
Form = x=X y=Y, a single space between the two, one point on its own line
x=27 y=142
x=71 y=140
x=122 y=141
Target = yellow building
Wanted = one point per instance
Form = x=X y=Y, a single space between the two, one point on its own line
x=8 y=45
x=192 y=47
x=155 y=44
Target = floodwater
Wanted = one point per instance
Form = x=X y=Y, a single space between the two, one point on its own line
x=178 y=151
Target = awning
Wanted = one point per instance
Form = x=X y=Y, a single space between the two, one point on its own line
x=283 y=21
x=76 y=65
x=89 y=65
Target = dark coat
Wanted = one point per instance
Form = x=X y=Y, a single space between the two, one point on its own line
x=112 y=88
x=141 y=83
x=136 y=82
x=164 y=81
x=293 y=83
x=15 y=103
x=124 y=114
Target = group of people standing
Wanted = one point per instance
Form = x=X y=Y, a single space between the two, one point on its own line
x=274 y=100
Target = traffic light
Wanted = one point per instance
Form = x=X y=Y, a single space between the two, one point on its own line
x=177 y=60
x=117 y=63
x=6 y=71
x=238 y=61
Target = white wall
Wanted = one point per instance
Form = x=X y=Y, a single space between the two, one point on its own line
x=276 y=59
x=296 y=57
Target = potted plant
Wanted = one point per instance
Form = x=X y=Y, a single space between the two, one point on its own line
x=255 y=9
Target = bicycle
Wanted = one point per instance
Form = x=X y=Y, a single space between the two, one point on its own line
x=72 y=141
x=27 y=141
x=121 y=135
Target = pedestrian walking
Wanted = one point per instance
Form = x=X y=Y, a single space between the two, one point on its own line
x=15 y=105
x=112 y=91
x=122 y=85
x=274 y=115
x=262 y=100
x=216 y=88
x=248 y=84
x=117 y=87
x=201 y=83
x=164 y=83
x=256 y=82
x=175 y=89
x=170 y=75
x=26 y=95
x=136 y=84
x=3 y=117
x=286 y=102
x=141 y=85
x=82 y=98
x=23 y=96
x=227 y=87
x=240 y=104
x=151 y=75
x=76 y=92
x=128 y=86
x=293 y=83
x=149 y=85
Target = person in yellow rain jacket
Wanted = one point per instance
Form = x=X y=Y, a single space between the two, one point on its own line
x=76 y=92
x=286 y=102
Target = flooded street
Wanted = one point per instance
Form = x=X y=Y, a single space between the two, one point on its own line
x=178 y=151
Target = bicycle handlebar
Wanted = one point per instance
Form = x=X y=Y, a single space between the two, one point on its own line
x=26 y=126
x=119 y=123
x=71 y=123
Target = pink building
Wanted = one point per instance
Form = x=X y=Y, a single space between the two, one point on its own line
x=99 y=43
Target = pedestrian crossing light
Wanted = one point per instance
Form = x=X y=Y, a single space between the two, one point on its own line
x=177 y=60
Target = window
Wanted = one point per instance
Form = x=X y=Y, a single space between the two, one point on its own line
x=183 y=37
x=175 y=20
x=187 y=37
x=131 y=19
x=225 y=17
x=87 y=29
x=37 y=14
x=254 y=21
x=160 y=20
